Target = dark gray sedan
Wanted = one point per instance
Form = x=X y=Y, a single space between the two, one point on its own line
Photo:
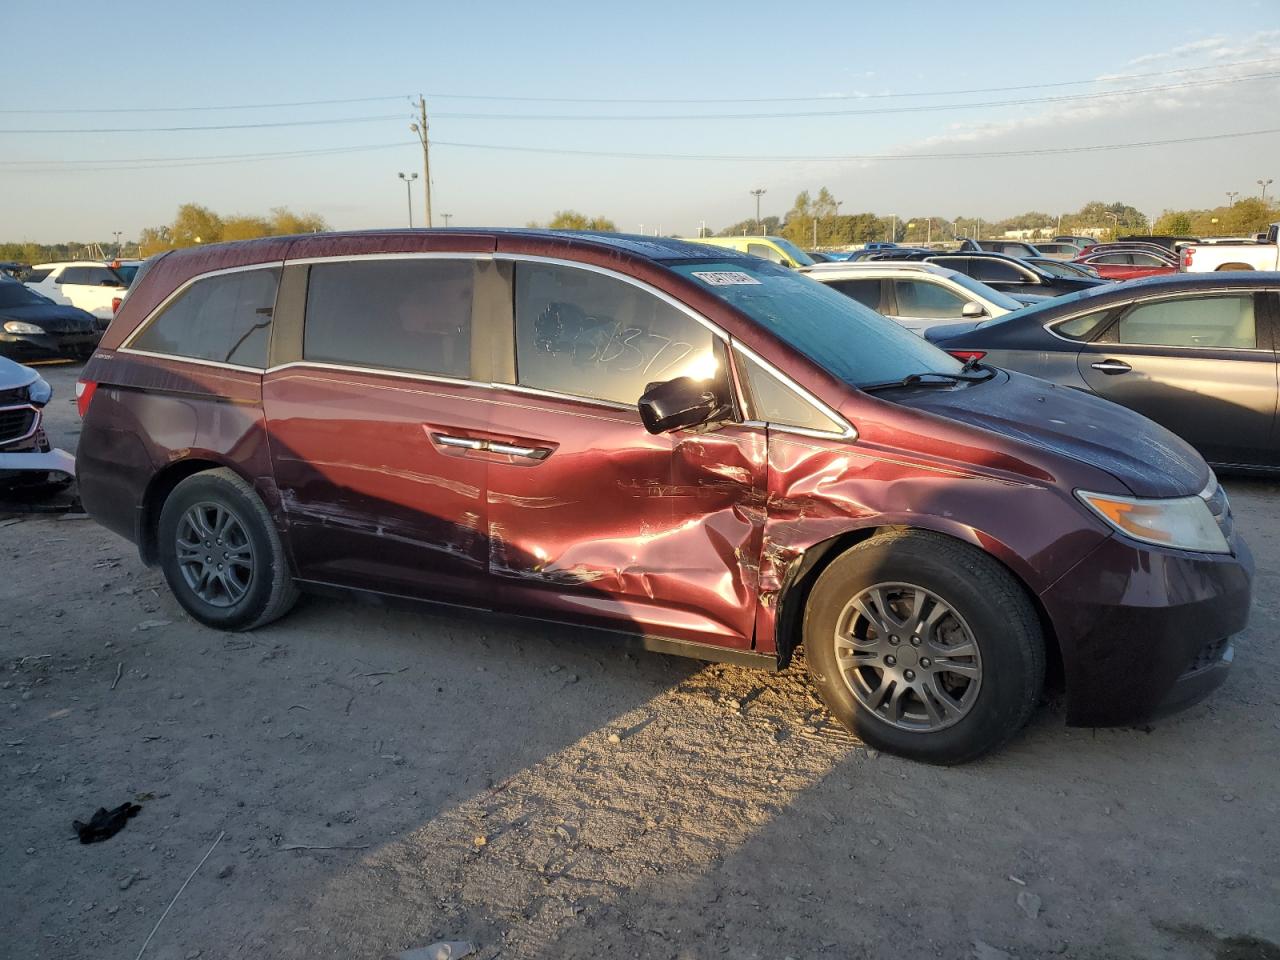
x=1194 y=352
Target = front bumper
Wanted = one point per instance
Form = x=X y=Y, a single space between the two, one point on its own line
x=49 y=461
x=1145 y=631
x=23 y=347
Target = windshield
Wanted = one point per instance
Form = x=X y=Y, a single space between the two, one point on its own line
x=794 y=252
x=990 y=294
x=14 y=294
x=849 y=341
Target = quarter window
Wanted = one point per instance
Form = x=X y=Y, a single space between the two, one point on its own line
x=1082 y=328
x=590 y=335
x=766 y=252
x=772 y=401
x=223 y=318
x=405 y=314
x=917 y=298
x=1193 y=322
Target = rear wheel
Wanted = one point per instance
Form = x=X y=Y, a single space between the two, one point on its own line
x=924 y=646
x=221 y=554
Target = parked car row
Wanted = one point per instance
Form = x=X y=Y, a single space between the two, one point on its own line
x=684 y=443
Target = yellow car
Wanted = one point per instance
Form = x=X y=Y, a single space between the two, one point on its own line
x=777 y=249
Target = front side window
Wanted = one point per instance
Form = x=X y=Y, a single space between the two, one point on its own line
x=1209 y=322
x=764 y=251
x=585 y=334
x=224 y=318
x=405 y=314
x=929 y=301
x=835 y=332
x=989 y=270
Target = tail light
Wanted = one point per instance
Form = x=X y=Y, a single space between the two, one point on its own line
x=968 y=355
x=84 y=394
x=1188 y=254
x=115 y=305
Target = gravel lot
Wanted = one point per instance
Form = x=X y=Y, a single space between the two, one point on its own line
x=382 y=778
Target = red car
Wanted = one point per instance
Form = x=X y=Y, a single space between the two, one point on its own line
x=699 y=449
x=1126 y=264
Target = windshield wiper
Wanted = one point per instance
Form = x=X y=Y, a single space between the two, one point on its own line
x=919 y=380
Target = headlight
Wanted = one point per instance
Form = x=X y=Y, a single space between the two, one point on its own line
x=17 y=326
x=1182 y=523
x=40 y=392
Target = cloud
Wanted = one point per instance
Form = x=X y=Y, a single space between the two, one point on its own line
x=1180 y=52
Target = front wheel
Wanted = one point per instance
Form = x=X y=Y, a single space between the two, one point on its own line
x=924 y=646
x=221 y=553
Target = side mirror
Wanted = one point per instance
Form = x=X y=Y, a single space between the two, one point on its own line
x=679 y=403
x=973 y=310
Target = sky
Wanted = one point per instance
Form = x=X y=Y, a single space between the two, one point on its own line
x=897 y=81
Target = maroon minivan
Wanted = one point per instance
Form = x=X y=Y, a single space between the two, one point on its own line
x=690 y=446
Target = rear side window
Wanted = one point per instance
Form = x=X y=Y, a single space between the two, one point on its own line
x=764 y=251
x=411 y=314
x=224 y=318
x=996 y=270
x=588 y=335
x=1083 y=327
x=1206 y=322
x=90 y=276
x=35 y=276
x=866 y=292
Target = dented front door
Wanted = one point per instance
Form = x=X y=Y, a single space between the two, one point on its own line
x=657 y=535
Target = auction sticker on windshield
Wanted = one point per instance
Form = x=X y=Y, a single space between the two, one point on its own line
x=726 y=278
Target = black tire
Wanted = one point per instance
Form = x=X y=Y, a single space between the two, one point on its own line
x=268 y=588
x=987 y=604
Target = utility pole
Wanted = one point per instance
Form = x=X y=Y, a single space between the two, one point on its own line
x=759 y=193
x=420 y=128
x=408 y=179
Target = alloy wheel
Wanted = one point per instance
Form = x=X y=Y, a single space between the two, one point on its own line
x=908 y=657
x=214 y=554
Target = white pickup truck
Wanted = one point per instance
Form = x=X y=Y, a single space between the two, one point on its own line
x=1210 y=257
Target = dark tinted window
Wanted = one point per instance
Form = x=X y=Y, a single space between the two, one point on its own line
x=90 y=276
x=1113 y=259
x=866 y=292
x=987 y=270
x=225 y=318
x=590 y=335
x=409 y=314
x=35 y=276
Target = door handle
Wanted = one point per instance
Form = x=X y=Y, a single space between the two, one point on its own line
x=493 y=446
x=516 y=450
x=1111 y=367
x=466 y=443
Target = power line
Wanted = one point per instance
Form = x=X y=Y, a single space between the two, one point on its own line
x=192 y=109
x=220 y=126
x=920 y=108
x=852 y=96
x=872 y=111
x=151 y=163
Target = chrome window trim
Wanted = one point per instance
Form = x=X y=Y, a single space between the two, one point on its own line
x=196 y=360
x=1153 y=298
x=380 y=371
x=150 y=318
x=849 y=433
x=411 y=255
x=556 y=395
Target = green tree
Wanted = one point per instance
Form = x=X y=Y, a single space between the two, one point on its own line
x=195 y=224
x=772 y=226
x=284 y=222
x=573 y=220
x=154 y=240
x=1175 y=223
x=239 y=227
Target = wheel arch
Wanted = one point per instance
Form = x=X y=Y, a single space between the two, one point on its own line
x=158 y=489
x=1234 y=266
x=817 y=557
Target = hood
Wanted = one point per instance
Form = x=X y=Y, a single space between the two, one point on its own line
x=54 y=317
x=14 y=375
x=1144 y=456
x=1026 y=299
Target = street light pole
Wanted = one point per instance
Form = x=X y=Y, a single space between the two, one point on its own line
x=447 y=218
x=1264 y=184
x=1231 y=197
x=408 y=179
x=758 y=194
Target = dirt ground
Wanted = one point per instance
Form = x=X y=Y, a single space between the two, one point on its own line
x=384 y=778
